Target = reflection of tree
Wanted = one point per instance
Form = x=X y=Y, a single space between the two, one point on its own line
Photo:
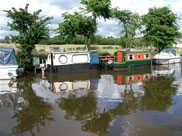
x=84 y=109
x=158 y=93
x=130 y=102
x=99 y=123
x=33 y=112
x=78 y=108
x=157 y=96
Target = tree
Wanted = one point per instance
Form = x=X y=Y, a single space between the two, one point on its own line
x=98 y=8
x=31 y=29
x=7 y=39
x=77 y=24
x=130 y=24
x=160 y=27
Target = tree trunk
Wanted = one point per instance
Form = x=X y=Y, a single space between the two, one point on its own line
x=88 y=44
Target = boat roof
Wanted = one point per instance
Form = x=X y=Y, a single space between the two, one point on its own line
x=169 y=49
x=7 y=56
x=128 y=52
x=6 y=49
x=71 y=52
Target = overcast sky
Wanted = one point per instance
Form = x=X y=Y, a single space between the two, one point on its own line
x=55 y=8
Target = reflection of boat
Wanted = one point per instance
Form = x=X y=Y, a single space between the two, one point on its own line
x=114 y=85
x=130 y=77
x=68 y=62
x=8 y=86
x=72 y=76
x=124 y=59
x=8 y=93
x=167 y=56
x=74 y=81
x=8 y=63
x=164 y=70
x=69 y=86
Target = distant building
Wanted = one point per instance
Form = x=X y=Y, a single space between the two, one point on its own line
x=1 y=41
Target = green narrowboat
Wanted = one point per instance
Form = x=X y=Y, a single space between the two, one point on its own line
x=127 y=59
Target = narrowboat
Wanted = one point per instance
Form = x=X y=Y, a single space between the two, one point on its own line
x=125 y=59
x=167 y=56
x=69 y=62
x=8 y=63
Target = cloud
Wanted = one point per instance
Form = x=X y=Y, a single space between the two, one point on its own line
x=107 y=30
x=66 y=4
x=55 y=8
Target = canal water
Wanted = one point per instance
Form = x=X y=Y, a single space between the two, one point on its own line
x=141 y=102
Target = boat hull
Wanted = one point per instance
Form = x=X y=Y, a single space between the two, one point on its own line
x=72 y=68
x=129 y=65
x=166 y=61
x=8 y=72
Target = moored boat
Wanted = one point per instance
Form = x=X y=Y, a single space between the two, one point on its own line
x=125 y=59
x=69 y=62
x=167 y=56
x=8 y=63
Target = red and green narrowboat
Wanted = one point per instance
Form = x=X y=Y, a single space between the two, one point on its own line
x=127 y=59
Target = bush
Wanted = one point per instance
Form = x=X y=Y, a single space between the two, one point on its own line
x=42 y=50
x=104 y=53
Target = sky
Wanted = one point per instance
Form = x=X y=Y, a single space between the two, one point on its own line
x=106 y=28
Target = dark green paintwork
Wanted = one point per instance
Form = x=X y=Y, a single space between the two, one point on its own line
x=126 y=63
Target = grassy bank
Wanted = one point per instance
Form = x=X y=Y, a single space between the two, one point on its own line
x=102 y=49
x=42 y=49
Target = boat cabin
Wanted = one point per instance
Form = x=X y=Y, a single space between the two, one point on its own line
x=124 y=59
x=67 y=62
x=123 y=56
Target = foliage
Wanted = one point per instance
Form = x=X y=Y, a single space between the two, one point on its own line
x=98 y=8
x=106 y=41
x=33 y=112
x=31 y=29
x=158 y=93
x=130 y=24
x=160 y=27
x=7 y=39
x=77 y=25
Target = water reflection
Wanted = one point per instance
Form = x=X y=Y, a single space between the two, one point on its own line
x=31 y=112
x=138 y=102
x=117 y=93
x=8 y=93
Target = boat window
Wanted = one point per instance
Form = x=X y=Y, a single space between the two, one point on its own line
x=131 y=57
x=63 y=59
x=139 y=56
x=1 y=54
x=146 y=56
x=130 y=78
x=80 y=58
x=146 y=77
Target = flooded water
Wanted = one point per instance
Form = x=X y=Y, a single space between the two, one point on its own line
x=143 y=102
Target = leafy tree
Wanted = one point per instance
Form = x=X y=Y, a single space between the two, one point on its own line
x=160 y=27
x=98 y=8
x=135 y=27
x=77 y=25
x=7 y=39
x=130 y=23
x=31 y=29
